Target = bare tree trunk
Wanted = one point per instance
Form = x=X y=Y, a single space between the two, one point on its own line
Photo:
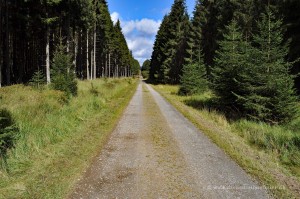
x=87 y=56
x=1 y=55
x=75 y=50
x=68 y=28
x=92 y=64
x=7 y=47
x=48 y=55
x=106 y=65
x=117 y=71
x=95 y=43
x=109 y=65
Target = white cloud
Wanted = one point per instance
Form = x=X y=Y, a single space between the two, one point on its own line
x=140 y=35
x=141 y=48
x=128 y=27
x=115 y=16
x=148 y=26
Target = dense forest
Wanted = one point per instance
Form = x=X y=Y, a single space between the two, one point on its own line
x=31 y=30
x=246 y=52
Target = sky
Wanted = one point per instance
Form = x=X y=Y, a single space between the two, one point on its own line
x=140 y=21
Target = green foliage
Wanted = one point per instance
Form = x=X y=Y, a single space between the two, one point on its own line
x=193 y=80
x=135 y=68
x=269 y=93
x=63 y=73
x=170 y=45
x=38 y=80
x=232 y=60
x=8 y=133
x=195 y=33
x=146 y=65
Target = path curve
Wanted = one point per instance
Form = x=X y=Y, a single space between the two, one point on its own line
x=155 y=152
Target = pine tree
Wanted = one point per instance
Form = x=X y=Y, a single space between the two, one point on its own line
x=64 y=78
x=38 y=80
x=193 y=80
x=230 y=64
x=158 y=56
x=270 y=95
x=195 y=33
x=177 y=44
x=217 y=15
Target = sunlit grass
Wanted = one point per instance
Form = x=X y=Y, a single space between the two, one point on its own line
x=270 y=153
x=58 y=137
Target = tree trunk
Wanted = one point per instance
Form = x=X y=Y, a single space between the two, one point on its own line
x=7 y=47
x=106 y=59
x=1 y=55
x=92 y=63
x=75 y=50
x=95 y=43
x=117 y=68
x=48 y=55
x=87 y=56
x=109 y=65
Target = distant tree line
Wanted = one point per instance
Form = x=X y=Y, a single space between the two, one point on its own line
x=246 y=51
x=31 y=30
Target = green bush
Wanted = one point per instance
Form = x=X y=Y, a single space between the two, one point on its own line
x=63 y=73
x=7 y=131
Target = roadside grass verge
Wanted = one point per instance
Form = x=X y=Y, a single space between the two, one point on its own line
x=269 y=153
x=58 y=138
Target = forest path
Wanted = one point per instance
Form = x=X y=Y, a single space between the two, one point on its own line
x=155 y=152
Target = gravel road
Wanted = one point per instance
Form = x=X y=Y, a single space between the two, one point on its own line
x=155 y=152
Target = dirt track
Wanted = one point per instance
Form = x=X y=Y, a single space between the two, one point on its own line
x=156 y=153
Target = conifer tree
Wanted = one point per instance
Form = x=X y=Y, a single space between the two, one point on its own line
x=193 y=80
x=195 y=33
x=177 y=43
x=230 y=63
x=63 y=72
x=156 y=72
x=38 y=80
x=270 y=95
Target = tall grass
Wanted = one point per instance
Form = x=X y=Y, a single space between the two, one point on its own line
x=58 y=136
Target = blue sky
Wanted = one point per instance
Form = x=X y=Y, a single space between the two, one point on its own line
x=140 y=20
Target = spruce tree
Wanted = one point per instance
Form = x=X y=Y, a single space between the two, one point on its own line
x=229 y=66
x=63 y=72
x=193 y=79
x=170 y=45
x=195 y=33
x=158 y=56
x=177 y=44
x=270 y=95
x=38 y=80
